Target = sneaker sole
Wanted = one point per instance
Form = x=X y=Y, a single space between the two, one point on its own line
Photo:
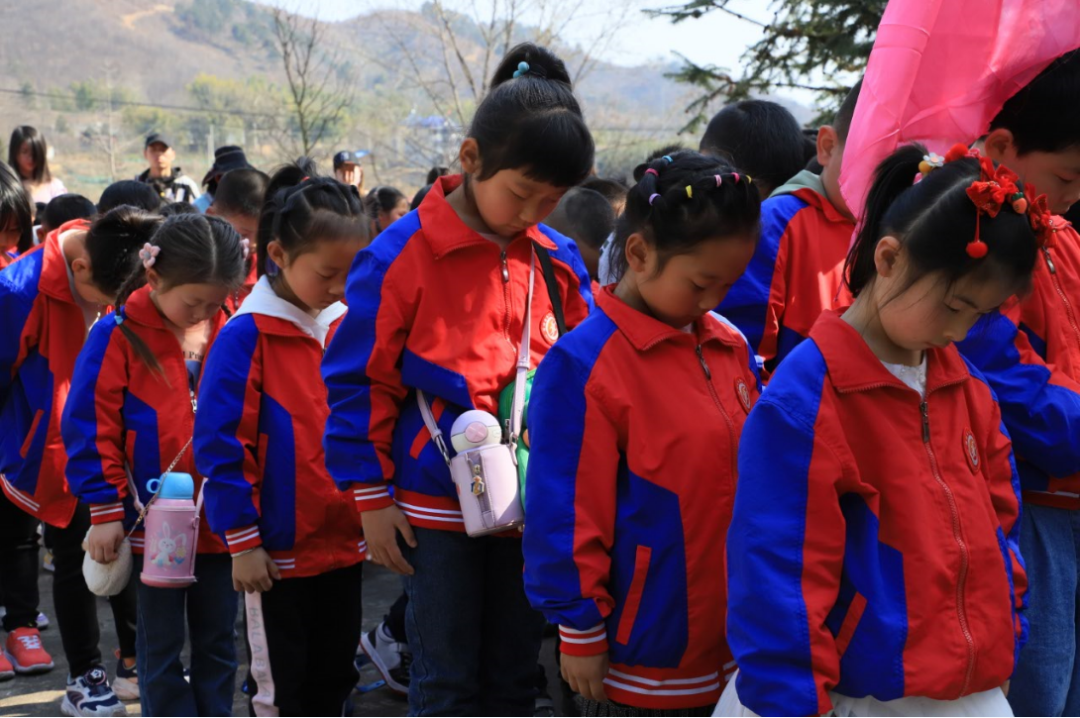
x=29 y=670
x=125 y=689
x=6 y=675
x=370 y=652
x=69 y=709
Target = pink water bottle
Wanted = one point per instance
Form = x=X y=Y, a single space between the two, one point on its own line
x=172 y=531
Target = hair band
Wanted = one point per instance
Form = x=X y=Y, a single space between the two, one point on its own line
x=689 y=192
x=652 y=198
x=719 y=180
x=652 y=172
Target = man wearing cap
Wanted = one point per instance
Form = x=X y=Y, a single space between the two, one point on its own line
x=226 y=159
x=347 y=169
x=168 y=181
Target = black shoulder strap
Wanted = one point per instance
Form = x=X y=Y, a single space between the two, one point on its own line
x=552 y=286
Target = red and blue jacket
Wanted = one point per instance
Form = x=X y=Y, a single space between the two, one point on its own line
x=42 y=330
x=1030 y=354
x=634 y=430
x=259 y=439
x=435 y=307
x=874 y=549
x=796 y=271
x=123 y=417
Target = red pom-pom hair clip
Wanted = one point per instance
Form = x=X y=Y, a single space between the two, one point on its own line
x=1041 y=218
x=994 y=188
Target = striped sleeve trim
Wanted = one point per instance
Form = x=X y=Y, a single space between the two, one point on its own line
x=106 y=513
x=590 y=642
x=372 y=498
x=243 y=539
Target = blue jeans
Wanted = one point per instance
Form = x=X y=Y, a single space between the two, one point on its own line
x=1047 y=681
x=474 y=638
x=210 y=607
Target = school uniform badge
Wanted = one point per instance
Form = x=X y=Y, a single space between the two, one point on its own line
x=971 y=451
x=549 y=328
x=743 y=392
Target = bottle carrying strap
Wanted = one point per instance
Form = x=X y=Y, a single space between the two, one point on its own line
x=517 y=410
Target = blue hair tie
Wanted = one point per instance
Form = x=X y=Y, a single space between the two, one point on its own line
x=120 y=316
x=667 y=158
x=523 y=69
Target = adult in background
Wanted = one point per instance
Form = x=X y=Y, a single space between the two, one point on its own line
x=348 y=170
x=28 y=155
x=170 y=183
x=226 y=159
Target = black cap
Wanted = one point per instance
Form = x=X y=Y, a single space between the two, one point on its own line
x=226 y=159
x=157 y=138
x=346 y=157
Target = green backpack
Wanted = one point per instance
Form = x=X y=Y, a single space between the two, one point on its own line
x=506 y=399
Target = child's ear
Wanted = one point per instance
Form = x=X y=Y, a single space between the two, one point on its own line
x=827 y=143
x=153 y=279
x=41 y=234
x=80 y=267
x=276 y=252
x=637 y=253
x=887 y=255
x=1000 y=146
x=469 y=156
x=210 y=211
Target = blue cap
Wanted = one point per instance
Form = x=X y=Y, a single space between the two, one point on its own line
x=349 y=157
x=177 y=486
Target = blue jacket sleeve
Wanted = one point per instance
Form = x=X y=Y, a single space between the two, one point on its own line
x=14 y=311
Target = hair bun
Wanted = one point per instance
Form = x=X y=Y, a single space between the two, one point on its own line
x=542 y=63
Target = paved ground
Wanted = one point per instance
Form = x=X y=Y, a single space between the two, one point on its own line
x=41 y=695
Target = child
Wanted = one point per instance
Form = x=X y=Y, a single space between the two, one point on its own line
x=586 y=217
x=624 y=535
x=48 y=301
x=437 y=304
x=385 y=205
x=16 y=217
x=760 y=138
x=238 y=200
x=60 y=211
x=806 y=230
x=1030 y=354
x=131 y=414
x=28 y=154
x=296 y=541
x=873 y=559
x=131 y=193
x=613 y=190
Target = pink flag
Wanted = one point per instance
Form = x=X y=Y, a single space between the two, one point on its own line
x=941 y=70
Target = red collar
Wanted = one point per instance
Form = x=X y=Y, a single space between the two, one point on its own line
x=443 y=229
x=54 y=280
x=645 y=332
x=853 y=366
x=140 y=309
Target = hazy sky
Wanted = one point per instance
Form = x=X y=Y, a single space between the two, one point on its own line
x=715 y=38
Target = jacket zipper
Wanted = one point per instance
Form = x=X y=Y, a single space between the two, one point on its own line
x=924 y=407
x=1061 y=294
x=506 y=295
x=723 y=412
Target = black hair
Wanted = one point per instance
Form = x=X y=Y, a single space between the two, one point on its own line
x=113 y=242
x=64 y=208
x=935 y=220
x=192 y=249
x=383 y=199
x=418 y=198
x=613 y=190
x=1042 y=115
x=15 y=207
x=241 y=191
x=585 y=216
x=675 y=221
x=303 y=210
x=131 y=193
x=38 y=148
x=846 y=113
x=435 y=173
x=760 y=138
x=172 y=209
x=530 y=120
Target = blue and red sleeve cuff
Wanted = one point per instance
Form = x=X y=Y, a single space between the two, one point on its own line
x=590 y=642
x=372 y=498
x=106 y=513
x=242 y=539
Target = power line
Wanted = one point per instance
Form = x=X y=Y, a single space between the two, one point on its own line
x=130 y=103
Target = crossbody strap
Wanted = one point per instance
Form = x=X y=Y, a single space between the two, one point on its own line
x=517 y=410
x=552 y=286
x=161 y=483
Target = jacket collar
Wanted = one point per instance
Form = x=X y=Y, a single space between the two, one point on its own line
x=645 y=332
x=808 y=187
x=264 y=300
x=443 y=229
x=853 y=366
x=54 y=280
x=140 y=309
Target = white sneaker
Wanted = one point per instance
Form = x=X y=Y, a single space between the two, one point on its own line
x=90 y=695
x=390 y=657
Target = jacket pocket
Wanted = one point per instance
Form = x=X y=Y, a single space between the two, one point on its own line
x=31 y=434
x=633 y=596
x=850 y=624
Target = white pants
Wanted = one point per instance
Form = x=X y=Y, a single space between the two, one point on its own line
x=987 y=703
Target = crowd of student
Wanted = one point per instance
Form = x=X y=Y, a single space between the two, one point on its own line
x=846 y=489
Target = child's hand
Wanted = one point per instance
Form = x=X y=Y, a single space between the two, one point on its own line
x=380 y=530
x=252 y=572
x=586 y=675
x=103 y=541
x=1005 y=688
